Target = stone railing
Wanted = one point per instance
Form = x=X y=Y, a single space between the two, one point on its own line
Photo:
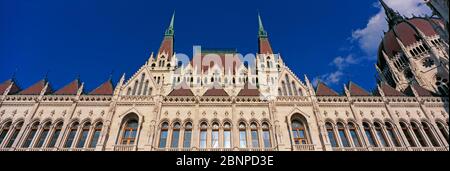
x=350 y=149
x=125 y=148
x=303 y=147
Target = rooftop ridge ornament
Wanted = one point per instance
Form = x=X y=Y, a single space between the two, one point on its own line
x=393 y=17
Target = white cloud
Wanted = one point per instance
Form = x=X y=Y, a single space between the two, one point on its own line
x=340 y=63
x=369 y=37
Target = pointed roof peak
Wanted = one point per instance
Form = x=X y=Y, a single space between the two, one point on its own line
x=393 y=17
x=356 y=90
x=261 y=32
x=323 y=90
x=36 y=88
x=106 y=88
x=70 y=89
x=170 y=30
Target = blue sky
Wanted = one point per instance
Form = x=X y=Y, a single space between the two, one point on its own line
x=327 y=40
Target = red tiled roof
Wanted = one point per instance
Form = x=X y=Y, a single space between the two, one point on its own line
x=389 y=91
x=324 y=90
x=249 y=90
x=36 y=88
x=181 y=90
x=167 y=46
x=104 y=89
x=215 y=92
x=264 y=46
x=14 y=88
x=356 y=90
x=69 y=89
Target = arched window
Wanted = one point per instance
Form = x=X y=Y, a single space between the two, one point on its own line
x=441 y=129
x=215 y=135
x=43 y=135
x=128 y=91
x=96 y=135
x=227 y=135
x=392 y=135
x=288 y=85
x=145 y=88
x=418 y=134
x=343 y=135
x=203 y=134
x=30 y=136
x=369 y=134
x=380 y=134
x=408 y=135
x=175 y=135
x=129 y=132
x=254 y=135
x=140 y=84
x=266 y=135
x=84 y=135
x=279 y=92
x=163 y=135
x=13 y=137
x=430 y=134
x=187 y=135
x=4 y=131
x=283 y=86
x=136 y=83
x=299 y=131
x=294 y=88
x=71 y=136
x=354 y=134
x=242 y=135
x=331 y=135
x=55 y=135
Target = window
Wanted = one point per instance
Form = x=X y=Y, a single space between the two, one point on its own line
x=254 y=133
x=407 y=135
x=136 y=83
x=145 y=88
x=30 y=135
x=343 y=135
x=418 y=134
x=430 y=134
x=368 y=132
x=266 y=135
x=164 y=134
x=16 y=130
x=331 y=135
x=96 y=135
x=242 y=135
x=187 y=135
x=4 y=131
x=203 y=135
x=215 y=136
x=441 y=129
x=71 y=136
x=299 y=132
x=129 y=132
x=227 y=135
x=380 y=134
x=84 y=135
x=55 y=135
x=42 y=137
x=391 y=133
x=354 y=135
x=175 y=135
x=140 y=84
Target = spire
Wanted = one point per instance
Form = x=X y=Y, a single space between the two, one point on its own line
x=393 y=17
x=261 y=32
x=170 y=31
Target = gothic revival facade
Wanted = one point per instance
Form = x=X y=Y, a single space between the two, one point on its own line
x=221 y=101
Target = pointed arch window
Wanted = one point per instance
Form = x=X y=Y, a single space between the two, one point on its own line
x=55 y=135
x=71 y=136
x=343 y=135
x=299 y=132
x=418 y=134
x=145 y=88
x=96 y=135
x=136 y=83
x=266 y=135
x=441 y=129
x=369 y=134
x=254 y=135
x=84 y=135
x=203 y=134
x=163 y=135
x=30 y=136
x=175 y=135
x=4 y=131
x=141 y=84
x=407 y=134
x=392 y=135
x=331 y=135
x=227 y=135
x=187 y=135
x=354 y=134
x=430 y=135
x=380 y=134
x=13 y=137
x=294 y=88
x=242 y=135
x=129 y=132
x=43 y=135
x=215 y=136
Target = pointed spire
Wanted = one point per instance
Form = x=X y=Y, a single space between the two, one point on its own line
x=170 y=31
x=261 y=32
x=393 y=17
